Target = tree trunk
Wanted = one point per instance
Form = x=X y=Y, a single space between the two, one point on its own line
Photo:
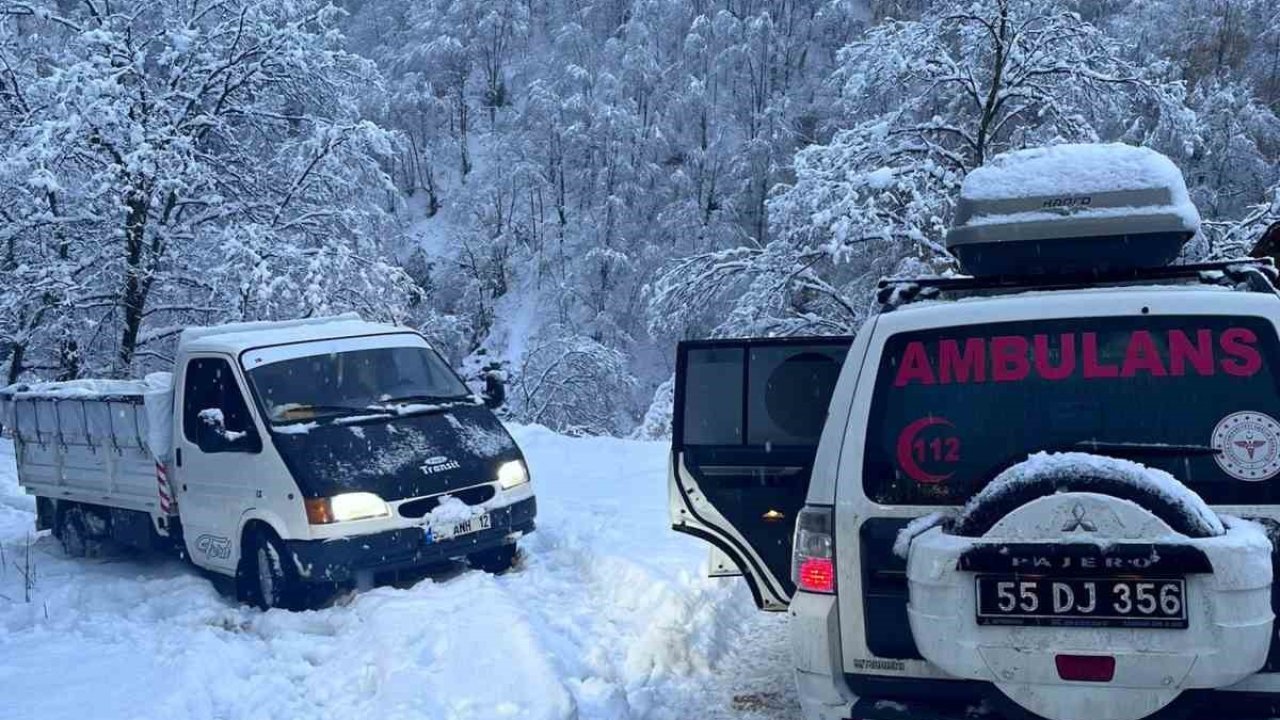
x=134 y=295
x=18 y=351
x=993 y=94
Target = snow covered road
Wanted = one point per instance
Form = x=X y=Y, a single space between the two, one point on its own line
x=609 y=617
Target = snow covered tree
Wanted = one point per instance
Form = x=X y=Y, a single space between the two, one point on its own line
x=192 y=163
x=927 y=100
x=515 y=176
x=573 y=384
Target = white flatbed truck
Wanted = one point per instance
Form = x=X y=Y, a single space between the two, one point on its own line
x=290 y=456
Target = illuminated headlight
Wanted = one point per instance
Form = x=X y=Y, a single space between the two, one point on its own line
x=511 y=474
x=346 y=507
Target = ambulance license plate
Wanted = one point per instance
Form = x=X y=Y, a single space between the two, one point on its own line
x=1082 y=602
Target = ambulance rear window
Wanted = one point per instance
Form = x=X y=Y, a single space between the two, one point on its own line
x=1194 y=395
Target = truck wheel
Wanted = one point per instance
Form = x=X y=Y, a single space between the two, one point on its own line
x=82 y=531
x=270 y=580
x=72 y=533
x=495 y=560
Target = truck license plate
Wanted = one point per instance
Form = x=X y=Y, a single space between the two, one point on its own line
x=1082 y=602
x=463 y=527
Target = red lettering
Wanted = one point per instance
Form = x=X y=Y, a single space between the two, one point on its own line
x=1067 y=363
x=1009 y=361
x=1093 y=368
x=1142 y=354
x=915 y=366
x=1239 y=343
x=969 y=365
x=1182 y=351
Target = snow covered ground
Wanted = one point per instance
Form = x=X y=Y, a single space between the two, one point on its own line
x=609 y=617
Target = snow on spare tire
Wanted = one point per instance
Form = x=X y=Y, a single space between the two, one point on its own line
x=1066 y=560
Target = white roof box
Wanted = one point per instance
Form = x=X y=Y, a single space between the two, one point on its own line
x=1072 y=209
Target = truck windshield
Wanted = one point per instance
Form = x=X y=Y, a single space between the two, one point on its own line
x=1193 y=395
x=354 y=382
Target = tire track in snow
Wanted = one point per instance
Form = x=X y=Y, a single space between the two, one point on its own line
x=608 y=618
x=627 y=642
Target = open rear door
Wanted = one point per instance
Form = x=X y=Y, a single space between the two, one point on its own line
x=748 y=415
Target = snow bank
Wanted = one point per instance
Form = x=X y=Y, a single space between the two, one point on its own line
x=1070 y=465
x=608 y=616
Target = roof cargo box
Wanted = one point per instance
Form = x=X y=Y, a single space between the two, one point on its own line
x=1072 y=209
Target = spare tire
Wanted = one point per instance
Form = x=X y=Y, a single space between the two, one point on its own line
x=1049 y=474
x=1052 y=559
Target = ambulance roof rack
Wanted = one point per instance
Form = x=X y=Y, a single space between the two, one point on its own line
x=1246 y=274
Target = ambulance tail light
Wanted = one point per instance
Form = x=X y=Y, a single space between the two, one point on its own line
x=813 y=552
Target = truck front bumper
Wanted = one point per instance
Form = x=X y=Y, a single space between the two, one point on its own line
x=338 y=560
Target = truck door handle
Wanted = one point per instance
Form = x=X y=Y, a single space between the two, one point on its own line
x=177 y=455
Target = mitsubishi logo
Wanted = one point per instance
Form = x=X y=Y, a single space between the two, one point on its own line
x=1077 y=522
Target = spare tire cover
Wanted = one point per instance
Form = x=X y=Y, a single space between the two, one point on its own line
x=1227 y=595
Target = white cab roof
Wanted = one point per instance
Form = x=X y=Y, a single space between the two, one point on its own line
x=235 y=338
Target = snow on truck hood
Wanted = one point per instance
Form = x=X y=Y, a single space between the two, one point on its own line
x=396 y=458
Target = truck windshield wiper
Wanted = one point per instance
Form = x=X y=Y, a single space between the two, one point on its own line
x=422 y=404
x=1146 y=449
x=325 y=411
x=426 y=398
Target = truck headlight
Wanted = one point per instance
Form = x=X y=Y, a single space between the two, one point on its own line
x=512 y=473
x=345 y=507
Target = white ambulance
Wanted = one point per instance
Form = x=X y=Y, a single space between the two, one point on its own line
x=1048 y=489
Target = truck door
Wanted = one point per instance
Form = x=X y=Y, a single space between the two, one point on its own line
x=748 y=415
x=214 y=444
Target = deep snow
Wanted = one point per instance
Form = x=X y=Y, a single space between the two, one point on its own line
x=609 y=617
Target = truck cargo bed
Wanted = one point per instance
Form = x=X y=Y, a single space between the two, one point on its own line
x=90 y=441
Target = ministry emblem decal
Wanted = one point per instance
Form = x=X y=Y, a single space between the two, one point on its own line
x=1248 y=445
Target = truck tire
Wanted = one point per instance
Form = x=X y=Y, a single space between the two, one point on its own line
x=76 y=534
x=72 y=534
x=494 y=560
x=269 y=580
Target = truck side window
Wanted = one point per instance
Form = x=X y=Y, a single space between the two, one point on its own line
x=210 y=383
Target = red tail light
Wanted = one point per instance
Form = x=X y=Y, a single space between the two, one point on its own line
x=813 y=566
x=1086 y=668
x=817 y=575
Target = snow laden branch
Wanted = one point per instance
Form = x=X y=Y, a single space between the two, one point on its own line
x=572 y=384
x=217 y=141
x=1235 y=239
x=926 y=101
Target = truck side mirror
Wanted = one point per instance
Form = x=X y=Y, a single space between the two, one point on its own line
x=212 y=435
